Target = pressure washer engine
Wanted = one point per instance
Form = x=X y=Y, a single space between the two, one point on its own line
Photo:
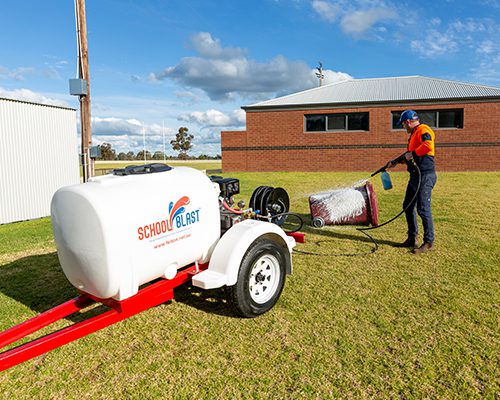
x=229 y=215
x=127 y=239
x=266 y=203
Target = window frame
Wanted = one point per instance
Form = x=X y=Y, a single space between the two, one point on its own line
x=346 y=122
x=436 y=111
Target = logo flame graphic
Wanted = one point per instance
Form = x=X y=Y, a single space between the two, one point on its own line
x=178 y=208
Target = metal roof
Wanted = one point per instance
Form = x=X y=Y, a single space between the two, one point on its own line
x=381 y=90
x=37 y=104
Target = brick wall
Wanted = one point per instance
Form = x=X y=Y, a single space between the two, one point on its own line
x=276 y=141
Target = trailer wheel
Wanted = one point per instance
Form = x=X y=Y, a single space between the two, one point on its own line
x=261 y=279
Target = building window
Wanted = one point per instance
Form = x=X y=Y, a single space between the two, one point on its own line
x=337 y=122
x=435 y=118
x=315 y=123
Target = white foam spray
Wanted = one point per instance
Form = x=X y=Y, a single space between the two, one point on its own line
x=341 y=204
x=360 y=183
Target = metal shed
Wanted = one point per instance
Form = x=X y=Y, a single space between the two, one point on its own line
x=38 y=155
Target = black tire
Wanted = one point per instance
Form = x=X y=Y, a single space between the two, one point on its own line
x=261 y=279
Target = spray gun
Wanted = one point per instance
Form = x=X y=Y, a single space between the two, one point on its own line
x=386 y=179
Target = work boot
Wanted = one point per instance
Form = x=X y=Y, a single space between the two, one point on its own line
x=424 y=248
x=410 y=242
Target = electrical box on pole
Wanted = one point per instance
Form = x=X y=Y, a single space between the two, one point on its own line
x=78 y=87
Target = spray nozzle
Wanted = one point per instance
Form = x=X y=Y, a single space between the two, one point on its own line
x=378 y=171
x=397 y=160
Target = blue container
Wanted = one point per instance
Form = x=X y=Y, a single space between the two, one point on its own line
x=386 y=180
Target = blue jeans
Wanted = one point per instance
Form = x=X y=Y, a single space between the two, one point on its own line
x=422 y=204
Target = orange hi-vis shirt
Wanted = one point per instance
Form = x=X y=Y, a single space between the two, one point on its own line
x=421 y=144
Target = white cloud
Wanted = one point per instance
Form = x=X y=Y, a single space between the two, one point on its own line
x=459 y=37
x=434 y=44
x=53 y=67
x=17 y=74
x=332 y=76
x=486 y=47
x=488 y=66
x=30 y=96
x=326 y=10
x=49 y=70
x=359 y=22
x=112 y=126
x=227 y=74
x=357 y=18
x=488 y=71
x=435 y=21
x=187 y=95
x=215 y=118
x=470 y=25
x=491 y=3
x=130 y=134
x=52 y=73
x=208 y=47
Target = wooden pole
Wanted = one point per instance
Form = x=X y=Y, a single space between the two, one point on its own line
x=83 y=68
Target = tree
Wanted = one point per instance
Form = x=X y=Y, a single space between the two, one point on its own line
x=130 y=155
x=158 y=155
x=140 y=155
x=182 y=142
x=122 y=156
x=107 y=152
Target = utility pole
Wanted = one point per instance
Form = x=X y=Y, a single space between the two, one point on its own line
x=83 y=75
x=319 y=74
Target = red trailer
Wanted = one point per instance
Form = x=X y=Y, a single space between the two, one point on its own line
x=126 y=240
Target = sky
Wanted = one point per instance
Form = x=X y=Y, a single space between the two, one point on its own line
x=157 y=65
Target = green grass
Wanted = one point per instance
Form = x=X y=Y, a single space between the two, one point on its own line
x=387 y=325
x=23 y=237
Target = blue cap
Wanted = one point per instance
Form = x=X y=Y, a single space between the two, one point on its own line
x=406 y=115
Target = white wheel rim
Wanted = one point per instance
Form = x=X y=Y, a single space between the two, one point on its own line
x=264 y=278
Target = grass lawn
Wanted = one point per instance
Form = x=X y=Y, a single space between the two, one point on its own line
x=387 y=325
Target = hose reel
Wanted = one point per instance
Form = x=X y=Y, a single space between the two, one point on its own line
x=270 y=202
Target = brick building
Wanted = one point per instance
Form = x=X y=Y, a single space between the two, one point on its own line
x=351 y=126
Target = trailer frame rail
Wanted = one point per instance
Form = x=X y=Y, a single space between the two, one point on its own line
x=150 y=296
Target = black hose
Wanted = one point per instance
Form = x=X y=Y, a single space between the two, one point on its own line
x=271 y=217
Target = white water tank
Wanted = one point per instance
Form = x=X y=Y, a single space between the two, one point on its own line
x=115 y=233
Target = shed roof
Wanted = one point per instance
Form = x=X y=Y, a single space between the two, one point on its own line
x=382 y=90
x=37 y=104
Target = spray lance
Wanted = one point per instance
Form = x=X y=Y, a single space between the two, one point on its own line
x=386 y=179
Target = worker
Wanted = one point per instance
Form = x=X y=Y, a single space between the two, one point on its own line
x=420 y=154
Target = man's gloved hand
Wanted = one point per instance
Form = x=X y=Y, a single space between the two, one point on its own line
x=407 y=156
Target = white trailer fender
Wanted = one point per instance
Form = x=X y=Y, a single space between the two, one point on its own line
x=227 y=256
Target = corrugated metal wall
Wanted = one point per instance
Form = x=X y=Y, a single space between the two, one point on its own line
x=38 y=155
